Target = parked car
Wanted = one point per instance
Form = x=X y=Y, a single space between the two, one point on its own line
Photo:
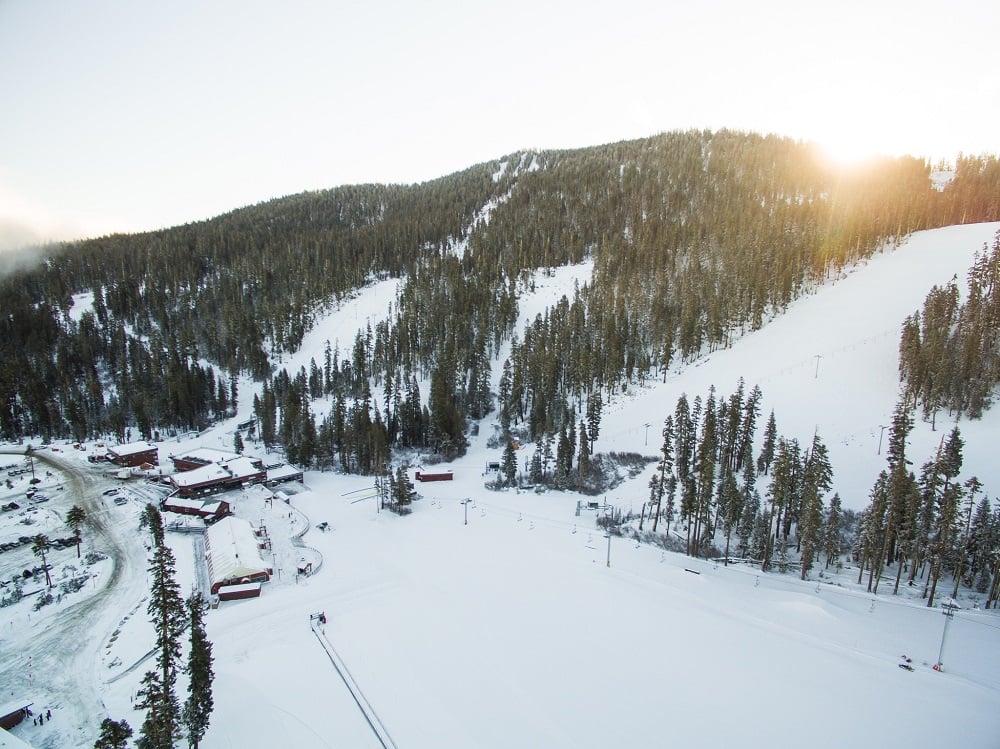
x=110 y=492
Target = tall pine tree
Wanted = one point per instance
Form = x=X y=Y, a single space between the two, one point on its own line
x=198 y=706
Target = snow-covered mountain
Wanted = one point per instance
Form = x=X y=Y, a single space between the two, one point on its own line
x=499 y=619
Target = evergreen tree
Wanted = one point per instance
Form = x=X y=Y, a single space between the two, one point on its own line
x=39 y=545
x=748 y=428
x=594 y=407
x=685 y=440
x=547 y=457
x=564 y=456
x=166 y=610
x=664 y=480
x=583 y=457
x=535 y=470
x=198 y=707
x=151 y=520
x=402 y=487
x=705 y=470
x=767 y=450
x=902 y=425
x=749 y=516
x=509 y=464
x=783 y=493
x=114 y=734
x=832 y=529
x=817 y=478
x=268 y=417
x=760 y=538
x=76 y=516
x=983 y=544
x=962 y=547
x=504 y=397
x=731 y=506
x=159 y=729
x=948 y=499
x=447 y=421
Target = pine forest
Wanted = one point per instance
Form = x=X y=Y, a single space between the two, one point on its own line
x=696 y=238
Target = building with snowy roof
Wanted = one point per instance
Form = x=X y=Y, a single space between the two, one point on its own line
x=279 y=474
x=217 y=477
x=10 y=741
x=201 y=456
x=232 y=551
x=208 y=510
x=12 y=713
x=134 y=454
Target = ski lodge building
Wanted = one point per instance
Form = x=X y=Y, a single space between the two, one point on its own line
x=282 y=473
x=134 y=455
x=200 y=457
x=233 y=555
x=216 y=477
x=209 y=510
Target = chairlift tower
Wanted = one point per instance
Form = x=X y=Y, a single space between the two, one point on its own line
x=949 y=607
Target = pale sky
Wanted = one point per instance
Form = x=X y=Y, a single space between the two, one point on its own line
x=126 y=116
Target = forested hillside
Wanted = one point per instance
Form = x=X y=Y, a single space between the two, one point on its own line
x=695 y=236
x=949 y=352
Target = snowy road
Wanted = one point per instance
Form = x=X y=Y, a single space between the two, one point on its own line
x=46 y=652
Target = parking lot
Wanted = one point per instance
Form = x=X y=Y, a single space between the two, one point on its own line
x=27 y=510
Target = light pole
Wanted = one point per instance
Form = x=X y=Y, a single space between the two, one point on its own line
x=883 y=427
x=647 y=432
x=818 y=357
x=465 y=506
x=609 y=546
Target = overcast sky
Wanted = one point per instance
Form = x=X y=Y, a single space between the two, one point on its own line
x=126 y=116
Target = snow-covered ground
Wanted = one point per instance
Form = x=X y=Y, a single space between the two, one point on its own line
x=513 y=630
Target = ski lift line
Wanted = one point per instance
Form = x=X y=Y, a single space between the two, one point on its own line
x=370 y=716
x=808 y=585
x=529 y=516
x=552 y=523
x=773 y=375
x=302 y=723
x=973 y=619
x=355 y=491
x=795 y=584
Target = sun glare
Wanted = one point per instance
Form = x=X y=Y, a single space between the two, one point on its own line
x=847 y=151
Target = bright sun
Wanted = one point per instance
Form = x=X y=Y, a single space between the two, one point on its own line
x=848 y=148
x=844 y=150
